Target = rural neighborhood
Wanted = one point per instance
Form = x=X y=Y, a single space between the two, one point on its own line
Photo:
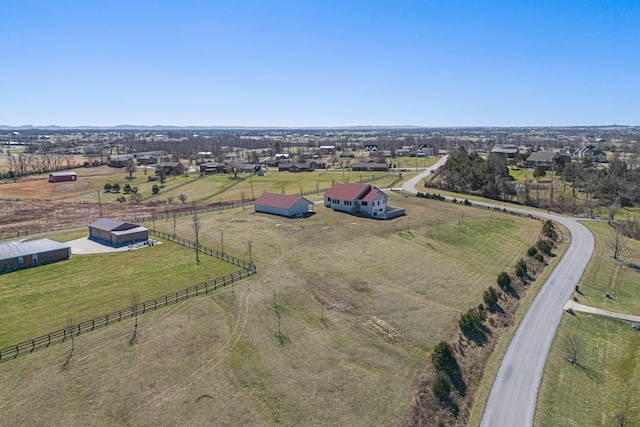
x=408 y=213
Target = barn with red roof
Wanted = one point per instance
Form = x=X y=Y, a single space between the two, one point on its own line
x=282 y=204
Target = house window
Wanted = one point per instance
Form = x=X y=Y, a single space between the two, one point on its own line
x=20 y=260
x=329 y=199
x=364 y=203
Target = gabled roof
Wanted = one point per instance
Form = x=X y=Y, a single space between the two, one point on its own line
x=278 y=200
x=108 y=224
x=348 y=191
x=62 y=173
x=14 y=249
x=543 y=156
x=373 y=194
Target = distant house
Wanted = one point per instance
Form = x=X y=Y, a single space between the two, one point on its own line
x=316 y=164
x=170 y=168
x=544 y=159
x=19 y=255
x=347 y=154
x=211 y=167
x=117 y=233
x=118 y=162
x=371 y=147
x=427 y=149
x=283 y=205
x=327 y=149
x=62 y=176
x=592 y=154
x=360 y=199
x=370 y=166
x=147 y=160
x=508 y=151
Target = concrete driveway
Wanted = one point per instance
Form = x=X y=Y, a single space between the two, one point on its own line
x=84 y=246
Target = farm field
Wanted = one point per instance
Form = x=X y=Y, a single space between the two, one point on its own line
x=38 y=300
x=388 y=291
x=604 y=384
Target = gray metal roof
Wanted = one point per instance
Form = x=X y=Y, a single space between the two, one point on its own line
x=14 y=249
x=62 y=173
x=107 y=224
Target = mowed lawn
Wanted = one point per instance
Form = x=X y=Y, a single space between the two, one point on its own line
x=388 y=292
x=606 y=382
x=38 y=300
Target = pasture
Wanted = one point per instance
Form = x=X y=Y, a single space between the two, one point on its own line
x=361 y=303
x=38 y=300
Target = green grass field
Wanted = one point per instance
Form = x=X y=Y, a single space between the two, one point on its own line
x=604 y=384
x=607 y=380
x=36 y=301
x=388 y=291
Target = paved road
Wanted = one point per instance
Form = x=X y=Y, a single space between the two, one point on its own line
x=411 y=184
x=512 y=401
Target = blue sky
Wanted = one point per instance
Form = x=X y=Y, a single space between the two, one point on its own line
x=320 y=63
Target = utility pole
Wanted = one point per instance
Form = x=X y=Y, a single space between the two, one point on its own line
x=251 y=182
x=99 y=203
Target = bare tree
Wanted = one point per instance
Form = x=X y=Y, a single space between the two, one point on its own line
x=130 y=167
x=182 y=198
x=235 y=168
x=617 y=240
x=196 y=231
x=69 y=328
x=573 y=344
x=135 y=300
x=170 y=199
x=174 y=225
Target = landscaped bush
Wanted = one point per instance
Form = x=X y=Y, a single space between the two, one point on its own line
x=532 y=251
x=107 y=187
x=441 y=387
x=545 y=246
x=538 y=257
x=491 y=296
x=549 y=230
x=504 y=281
x=521 y=268
x=443 y=358
x=470 y=321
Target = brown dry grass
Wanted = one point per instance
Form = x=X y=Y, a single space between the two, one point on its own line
x=390 y=289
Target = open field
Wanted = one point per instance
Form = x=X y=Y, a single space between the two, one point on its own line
x=36 y=301
x=388 y=290
x=604 y=274
x=214 y=188
x=604 y=384
x=606 y=381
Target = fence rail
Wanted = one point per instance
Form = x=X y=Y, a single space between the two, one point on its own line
x=62 y=335
x=212 y=252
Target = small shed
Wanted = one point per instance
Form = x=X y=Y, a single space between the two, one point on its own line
x=283 y=205
x=19 y=255
x=117 y=233
x=62 y=176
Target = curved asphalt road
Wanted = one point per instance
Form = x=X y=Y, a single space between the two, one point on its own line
x=512 y=401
